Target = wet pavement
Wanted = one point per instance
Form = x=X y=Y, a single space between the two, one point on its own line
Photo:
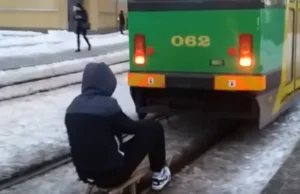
x=287 y=178
x=7 y=63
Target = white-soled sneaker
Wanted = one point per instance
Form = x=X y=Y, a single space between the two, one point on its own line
x=161 y=179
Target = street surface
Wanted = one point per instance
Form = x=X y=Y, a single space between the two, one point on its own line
x=32 y=131
x=287 y=178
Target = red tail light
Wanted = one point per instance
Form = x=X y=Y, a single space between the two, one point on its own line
x=245 y=50
x=139 y=50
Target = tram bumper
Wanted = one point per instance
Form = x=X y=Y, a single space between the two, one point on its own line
x=195 y=92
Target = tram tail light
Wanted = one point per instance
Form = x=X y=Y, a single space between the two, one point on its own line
x=245 y=50
x=139 y=50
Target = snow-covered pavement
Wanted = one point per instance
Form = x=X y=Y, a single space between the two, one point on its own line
x=63 y=180
x=25 y=89
x=60 y=181
x=32 y=128
x=242 y=163
x=55 y=41
x=9 y=77
x=52 y=139
x=41 y=50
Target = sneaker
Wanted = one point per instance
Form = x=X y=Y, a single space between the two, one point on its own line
x=161 y=179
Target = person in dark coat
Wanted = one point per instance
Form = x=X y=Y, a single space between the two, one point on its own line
x=82 y=24
x=95 y=124
x=121 y=21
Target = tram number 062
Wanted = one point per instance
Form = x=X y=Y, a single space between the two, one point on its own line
x=191 y=41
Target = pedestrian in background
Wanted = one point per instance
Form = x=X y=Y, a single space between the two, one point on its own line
x=121 y=19
x=82 y=24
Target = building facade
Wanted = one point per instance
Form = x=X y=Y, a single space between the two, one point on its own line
x=57 y=14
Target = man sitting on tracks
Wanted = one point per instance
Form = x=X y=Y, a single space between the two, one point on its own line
x=95 y=124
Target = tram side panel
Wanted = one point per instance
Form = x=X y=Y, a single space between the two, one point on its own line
x=277 y=61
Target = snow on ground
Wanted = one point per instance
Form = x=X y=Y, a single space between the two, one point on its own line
x=54 y=41
x=32 y=128
x=243 y=163
x=60 y=181
x=29 y=88
x=63 y=180
x=45 y=70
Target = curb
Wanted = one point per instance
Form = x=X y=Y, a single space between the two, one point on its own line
x=26 y=74
x=27 y=89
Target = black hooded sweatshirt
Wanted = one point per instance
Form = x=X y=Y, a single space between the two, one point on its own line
x=95 y=122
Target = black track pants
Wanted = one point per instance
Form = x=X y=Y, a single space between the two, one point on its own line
x=149 y=140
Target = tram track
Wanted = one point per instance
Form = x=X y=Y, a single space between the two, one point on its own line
x=52 y=76
x=73 y=78
x=42 y=168
x=199 y=145
x=39 y=85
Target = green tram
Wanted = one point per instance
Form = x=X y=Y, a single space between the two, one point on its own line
x=235 y=59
